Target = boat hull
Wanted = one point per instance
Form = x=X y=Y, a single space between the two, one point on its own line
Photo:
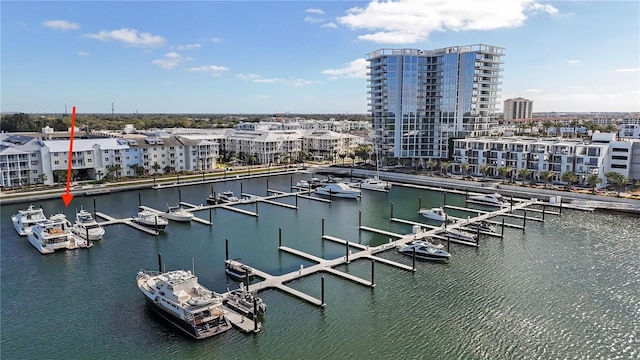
x=183 y=325
x=177 y=217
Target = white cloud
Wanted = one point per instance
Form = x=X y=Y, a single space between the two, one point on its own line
x=209 y=68
x=171 y=60
x=216 y=40
x=61 y=25
x=533 y=90
x=329 y=25
x=248 y=76
x=574 y=61
x=295 y=82
x=268 y=81
x=83 y=53
x=315 y=11
x=627 y=70
x=312 y=19
x=355 y=69
x=410 y=21
x=188 y=47
x=129 y=37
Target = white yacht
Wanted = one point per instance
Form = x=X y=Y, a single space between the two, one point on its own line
x=54 y=234
x=490 y=199
x=372 y=183
x=436 y=214
x=151 y=220
x=180 y=299
x=25 y=219
x=85 y=225
x=313 y=183
x=338 y=190
x=178 y=213
x=223 y=197
x=459 y=234
x=424 y=250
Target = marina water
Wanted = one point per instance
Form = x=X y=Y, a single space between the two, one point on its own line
x=566 y=288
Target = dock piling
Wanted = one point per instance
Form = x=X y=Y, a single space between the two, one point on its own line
x=524 y=220
x=94 y=207
x=226 y=249
x=159 y=262
x=413 y=259
x=544 y=207
x=373 y=263
x=255 y=313
x=322 y=304
x=257 y=207
x=322 y=226
x=296 y=201
x=444 y=198
x=210 y=219
x=448 y=243
x=419 y=202
x=359 y=218
x=391 y=210
x=139 y=200
x=241 y=188
x=279 y=237
x=179 y=195
x=502 y=230
x=347 y=251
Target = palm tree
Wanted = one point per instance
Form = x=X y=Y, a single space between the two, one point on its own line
x=504 y=171
x=431 y=164
x=352 y=156
x=57 y=174
x=524 y=173
x=342 y=156
x=42 y=178
x=593 y=180
x=484 y=169
x=618 y=180
x=155 y=168
x=570 y=177
x=546 y=175
x=444 y=167
x=464 y=168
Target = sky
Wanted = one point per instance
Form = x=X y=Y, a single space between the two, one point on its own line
x=302 y=57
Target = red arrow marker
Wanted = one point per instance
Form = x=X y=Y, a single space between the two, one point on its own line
x=67 y=196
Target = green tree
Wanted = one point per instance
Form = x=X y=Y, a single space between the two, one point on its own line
x=464 y=168
x=524 y=173
x=618 y=180
x=352 y=156
x=593 y=180
x=444 y=167
x=504 y=171
x=342 y=156
x=570 y=178
x=431 y=165
x=59 y=175
x=546 y=175
x=484 y=170
x=42 y=178
x=155 y=167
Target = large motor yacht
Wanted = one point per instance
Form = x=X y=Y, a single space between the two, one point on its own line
x=25 y=219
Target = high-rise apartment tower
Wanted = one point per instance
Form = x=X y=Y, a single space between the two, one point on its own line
x=517 y=108
x=419 y=99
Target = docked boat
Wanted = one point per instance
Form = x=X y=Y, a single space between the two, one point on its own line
x=458 y=234
x=178 y=213
x=54 y=234
x=490 y=199
x=482 y=226
x=180 y=299
x=238 y=270
x=25 y=219
x=436 y=214
x=372 y=183
x=312 y=183
x=87 y=226
x=223 y=197
x=245 y=302
x=424 y=250
x=338 y=190
x=151 y=220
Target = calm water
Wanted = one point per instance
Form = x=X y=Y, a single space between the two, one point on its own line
x=567 y=288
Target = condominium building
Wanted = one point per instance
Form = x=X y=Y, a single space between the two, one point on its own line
x=602 y=154
x=517 y=108
x=420 y=99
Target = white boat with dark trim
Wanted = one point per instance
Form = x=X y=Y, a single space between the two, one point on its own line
x=372 y=183
x=339 y=189
x=495 y=199
x=180 y=299
x=25 y=219
x=178 y=213
x=86 y=225
x=482 y=225
x=54 y=234
x=424 y=250
x=436 y=214
x=313 y=183
x=151 y=220
x=236 y=269
x=244 y=302
x=458 y=234
x=223 y=197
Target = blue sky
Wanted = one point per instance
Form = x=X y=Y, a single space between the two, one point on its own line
x=302 y=56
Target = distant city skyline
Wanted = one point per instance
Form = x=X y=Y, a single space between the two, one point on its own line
x=303 y=57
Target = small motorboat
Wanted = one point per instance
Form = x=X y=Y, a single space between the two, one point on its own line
x=244 y=302
x=436 y=214
x=151 y=220
x=490 y=199
x=223 y=197
x=338 y=190
x=372 y=183
x=236 y=269
x=178 y=213
x=458 y=234
x=482 y=226
x=424 y=250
